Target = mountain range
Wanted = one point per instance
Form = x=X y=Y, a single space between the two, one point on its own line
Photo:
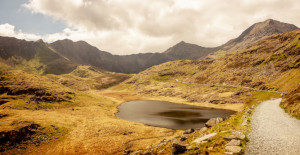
x=63 y=56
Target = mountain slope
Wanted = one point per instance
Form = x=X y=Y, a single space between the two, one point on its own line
x=258 y=32
x=35 y=57
x=185 y=50
x=270 y=64
x=291 y=103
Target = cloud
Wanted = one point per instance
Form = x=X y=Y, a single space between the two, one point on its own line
x=9 y=31
x=132 y=26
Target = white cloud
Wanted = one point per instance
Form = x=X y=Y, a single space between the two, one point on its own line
x=9 y=31
x=132 y=26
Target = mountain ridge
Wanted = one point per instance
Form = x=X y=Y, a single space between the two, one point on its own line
x=82 y=53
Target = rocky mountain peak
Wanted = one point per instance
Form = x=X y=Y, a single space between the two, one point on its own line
x=259 y=31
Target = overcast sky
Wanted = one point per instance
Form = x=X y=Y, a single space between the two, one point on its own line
x=139 y=26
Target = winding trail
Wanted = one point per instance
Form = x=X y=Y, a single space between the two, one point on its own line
x=273 y=131
x=230 y=86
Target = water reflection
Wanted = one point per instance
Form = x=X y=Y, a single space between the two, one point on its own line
x=169 y=115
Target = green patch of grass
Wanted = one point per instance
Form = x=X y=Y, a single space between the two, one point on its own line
x=161 y=78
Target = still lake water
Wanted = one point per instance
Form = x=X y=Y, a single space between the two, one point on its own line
x=169 y=115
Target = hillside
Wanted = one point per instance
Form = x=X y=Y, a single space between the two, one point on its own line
x=291 y=103
x=270 y=64
x=33 y=57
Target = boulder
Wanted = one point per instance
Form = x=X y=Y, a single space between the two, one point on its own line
x=189 y=131
x=178 y=147
x=239 y=135
x=234 y=142
x=204 y=137
x=234 y=149
x=213 y=121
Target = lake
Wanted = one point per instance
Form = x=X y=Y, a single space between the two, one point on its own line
x=169 y=115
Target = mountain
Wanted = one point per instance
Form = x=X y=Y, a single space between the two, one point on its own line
x=258 y=32
x=83 y=53
x=63 y=56
x=184 y=50
x=35 y=57
x=272 y=64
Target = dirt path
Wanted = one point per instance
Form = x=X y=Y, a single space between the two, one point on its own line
x=231 y=86
x=273 y=131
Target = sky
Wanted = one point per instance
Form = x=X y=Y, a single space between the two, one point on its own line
x=138 y=26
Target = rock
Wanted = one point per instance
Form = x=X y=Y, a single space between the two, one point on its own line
x=248 y=111
x=184 y=137
x=161 y=151
x=235 y=135
x=245 y=122
x=127 y=152
x=178 y=147
x=210 y=148
x=234 y=149
x=189 y=131
x=204 y=137
x=230 y=137
x=234 y=142
x=213 y=121
x=192 y=148
x=228 y=152
x=239 y=135
x=203 y=129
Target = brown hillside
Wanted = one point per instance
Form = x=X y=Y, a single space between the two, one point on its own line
x=291 y=103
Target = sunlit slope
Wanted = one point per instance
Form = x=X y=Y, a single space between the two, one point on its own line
x=271 y=64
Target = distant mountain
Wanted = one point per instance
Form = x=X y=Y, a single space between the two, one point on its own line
x=34 y=57
x=184 y=50
x=258 y=32
x=64 y=55
x=83 y=53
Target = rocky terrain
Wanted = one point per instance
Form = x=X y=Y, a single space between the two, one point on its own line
x=291 y=103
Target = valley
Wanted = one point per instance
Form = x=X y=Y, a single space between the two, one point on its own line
x=62 y=98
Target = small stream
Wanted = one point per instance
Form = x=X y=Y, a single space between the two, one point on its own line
x=169 y=115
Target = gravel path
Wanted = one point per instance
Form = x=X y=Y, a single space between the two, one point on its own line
x=273 y=131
